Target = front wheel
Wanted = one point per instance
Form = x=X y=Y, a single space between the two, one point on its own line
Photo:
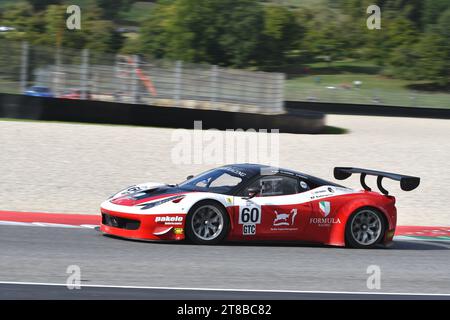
x=365 y=228
x=207 y=223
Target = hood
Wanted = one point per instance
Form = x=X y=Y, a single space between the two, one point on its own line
x=147 y=192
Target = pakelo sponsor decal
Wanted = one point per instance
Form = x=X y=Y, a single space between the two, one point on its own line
x=284 y=221
x=170 y=220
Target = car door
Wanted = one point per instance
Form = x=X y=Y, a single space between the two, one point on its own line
x=280 y=211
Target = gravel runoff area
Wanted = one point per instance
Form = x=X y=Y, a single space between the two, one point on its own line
x=64 y=167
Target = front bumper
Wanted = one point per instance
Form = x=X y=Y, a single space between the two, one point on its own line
x=143 y=226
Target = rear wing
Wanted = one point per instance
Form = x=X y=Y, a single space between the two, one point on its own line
x=407 y=183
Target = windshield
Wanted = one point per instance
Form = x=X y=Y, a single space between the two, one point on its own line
x=221 y=180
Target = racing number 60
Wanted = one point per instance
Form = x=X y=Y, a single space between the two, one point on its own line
x=250 y=215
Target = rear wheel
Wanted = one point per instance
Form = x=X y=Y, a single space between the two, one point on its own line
x=207 y=223
x=365 y=228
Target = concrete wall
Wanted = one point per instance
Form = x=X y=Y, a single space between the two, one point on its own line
x=25 y=107
x=369 y=110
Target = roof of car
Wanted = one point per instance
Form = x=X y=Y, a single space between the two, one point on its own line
x=253 y=169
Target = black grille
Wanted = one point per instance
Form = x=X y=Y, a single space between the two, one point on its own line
x=118 y=222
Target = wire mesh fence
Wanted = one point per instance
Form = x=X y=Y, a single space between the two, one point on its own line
x=81 y=74
x=365 y=94
x=84 y=74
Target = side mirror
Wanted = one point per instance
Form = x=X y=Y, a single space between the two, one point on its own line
x=189 y=177
x=252 y=192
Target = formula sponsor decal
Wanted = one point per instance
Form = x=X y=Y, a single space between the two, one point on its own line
x=170 y=220
x=324 y=222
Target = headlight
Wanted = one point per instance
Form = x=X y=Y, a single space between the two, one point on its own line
x=149 y=205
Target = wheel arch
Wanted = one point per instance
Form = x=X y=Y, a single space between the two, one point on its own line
x=220 y=202
x=337 y=232
x=206 y=200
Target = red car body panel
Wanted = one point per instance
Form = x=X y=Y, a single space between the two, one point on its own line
x=313 y=226
x=148 y=229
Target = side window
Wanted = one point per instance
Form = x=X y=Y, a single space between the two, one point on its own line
x=275 y=186
x=225 y=180
x=203 y=183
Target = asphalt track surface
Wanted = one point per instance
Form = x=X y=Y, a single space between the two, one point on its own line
x=114 y=268
x=59 y=292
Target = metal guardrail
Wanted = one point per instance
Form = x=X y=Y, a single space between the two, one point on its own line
x=133 y=79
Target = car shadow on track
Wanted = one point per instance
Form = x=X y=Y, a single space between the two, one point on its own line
x=396 y=245
x=420 y=245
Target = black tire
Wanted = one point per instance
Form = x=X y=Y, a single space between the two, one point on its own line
x=356 y=223
x=193 y=233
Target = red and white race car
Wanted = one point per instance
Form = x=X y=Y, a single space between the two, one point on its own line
x=256 y=202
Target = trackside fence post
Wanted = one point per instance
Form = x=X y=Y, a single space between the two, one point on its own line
x=134 y=77
x=24 y=67
x=84 y=79
x=118 y=83
x=177 y=86
x=279 y=105
x=56 y=78
x=213 y=91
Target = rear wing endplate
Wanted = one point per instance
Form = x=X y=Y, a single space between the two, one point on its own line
x=407 y=183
